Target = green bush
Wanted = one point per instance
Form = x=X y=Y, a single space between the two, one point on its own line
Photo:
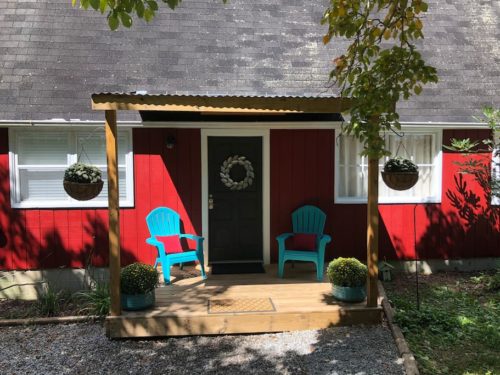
x=138 y=278
x=83 y=173
x=347 y=272
x=399 y=164
x=51 y=303
x=96 y=301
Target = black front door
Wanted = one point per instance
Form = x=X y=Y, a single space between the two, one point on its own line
x=235 y=199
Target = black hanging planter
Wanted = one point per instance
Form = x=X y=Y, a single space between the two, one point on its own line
x=82 y=181
x=400 y=174
x=83 y=191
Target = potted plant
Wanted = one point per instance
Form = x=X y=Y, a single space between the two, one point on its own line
x=348 y=277
x=400 y=173
x=82 y=181
x=138 y=282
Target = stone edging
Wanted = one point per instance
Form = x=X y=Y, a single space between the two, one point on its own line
x=53 y=320
x=409 y=361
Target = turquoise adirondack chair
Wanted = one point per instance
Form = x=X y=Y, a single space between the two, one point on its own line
x=163 y=221
x=305 y=220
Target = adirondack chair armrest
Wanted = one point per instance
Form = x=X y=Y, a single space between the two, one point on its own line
x=282 y=237
x=194 y=237
x=191 y=236
x=153 y=241
x=324 y=238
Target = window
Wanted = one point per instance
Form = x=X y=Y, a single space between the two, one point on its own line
x=39 y=157
x=495 y=177
x=422 y=147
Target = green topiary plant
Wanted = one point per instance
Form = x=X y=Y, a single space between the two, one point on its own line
x=399 y=164
x=347 y=272
x=83 y=173
x=138 y=278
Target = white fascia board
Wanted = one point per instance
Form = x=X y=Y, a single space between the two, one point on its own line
x=63 y=123
x=445 y=125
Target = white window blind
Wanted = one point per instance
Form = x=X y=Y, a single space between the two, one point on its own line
x=495 y=176
x=39 y=158
x=423 y=148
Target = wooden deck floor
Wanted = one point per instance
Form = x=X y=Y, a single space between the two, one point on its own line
x=252 y=303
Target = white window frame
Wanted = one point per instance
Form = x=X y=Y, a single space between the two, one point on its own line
x=436 y=196
x=15 y=188
x=495 y=166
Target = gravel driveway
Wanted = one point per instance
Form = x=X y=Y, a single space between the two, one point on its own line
x=84 y=349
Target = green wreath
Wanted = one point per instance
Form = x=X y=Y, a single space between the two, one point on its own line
x=225 y=172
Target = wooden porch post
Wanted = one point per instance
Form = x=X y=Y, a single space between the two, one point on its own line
x=372 y=233
x=113 y=211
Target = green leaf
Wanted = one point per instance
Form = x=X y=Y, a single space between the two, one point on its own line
x=152 y=4
x=102 y=6
x=73 y=3
x=172 y=4
x=113 y=21
x=148 y=14
x=94 y=4
x=84 y=4
x=139 y=9
x=126 y=19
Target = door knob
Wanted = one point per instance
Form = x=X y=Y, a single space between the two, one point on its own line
x=210 y=202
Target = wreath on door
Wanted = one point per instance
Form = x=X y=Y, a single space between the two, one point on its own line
x=225 y=172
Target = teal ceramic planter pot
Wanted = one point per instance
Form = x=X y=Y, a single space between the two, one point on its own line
x=348 y=293
x=134 y=302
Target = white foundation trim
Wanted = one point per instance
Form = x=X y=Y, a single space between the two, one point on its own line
x=429 y=266
x=266 y=184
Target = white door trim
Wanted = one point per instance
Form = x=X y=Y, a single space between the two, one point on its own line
x=266 y=185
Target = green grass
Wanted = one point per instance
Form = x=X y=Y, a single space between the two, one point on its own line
x=457 y=329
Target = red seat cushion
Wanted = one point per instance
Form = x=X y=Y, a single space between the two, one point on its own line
x=302 y=241
x=172 y=244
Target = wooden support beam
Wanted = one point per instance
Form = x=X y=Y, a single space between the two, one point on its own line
x=219 y=104
x=113 y=211
x=372 y=233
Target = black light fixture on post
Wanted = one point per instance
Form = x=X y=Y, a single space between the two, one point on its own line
x=171 y=142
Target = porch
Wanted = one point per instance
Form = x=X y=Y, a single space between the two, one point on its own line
x=243 y=303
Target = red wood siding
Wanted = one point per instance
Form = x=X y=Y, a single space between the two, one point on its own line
x=302 y=173
x=49 y=238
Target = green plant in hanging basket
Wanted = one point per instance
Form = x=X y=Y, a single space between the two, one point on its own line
x=400 y=164
x=83 y=181
x=400 y=173
x=83 y=173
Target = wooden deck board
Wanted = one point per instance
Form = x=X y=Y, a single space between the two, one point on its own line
x=300 y=303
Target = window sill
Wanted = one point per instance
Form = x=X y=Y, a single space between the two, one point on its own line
x=68 y=205
x=431 y=200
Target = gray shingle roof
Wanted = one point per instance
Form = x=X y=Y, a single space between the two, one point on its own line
x=52 y=57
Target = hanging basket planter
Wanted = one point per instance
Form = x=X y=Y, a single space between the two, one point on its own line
x=82 y=181
x=400 y=174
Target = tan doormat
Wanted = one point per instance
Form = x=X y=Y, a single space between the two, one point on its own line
x=240 y=305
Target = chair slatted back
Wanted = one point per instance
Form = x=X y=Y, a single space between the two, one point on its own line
x=163 y=221
x=308 y=219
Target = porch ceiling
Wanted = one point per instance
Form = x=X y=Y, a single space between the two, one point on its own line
x=219 y=104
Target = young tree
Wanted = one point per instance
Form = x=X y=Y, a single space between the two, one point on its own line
x=381 y=66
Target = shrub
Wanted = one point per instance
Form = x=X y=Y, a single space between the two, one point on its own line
x=83 y=173
x=399 y=164
x=347 y=272
x=51 y=303
x=96 y=301
x=138 y=278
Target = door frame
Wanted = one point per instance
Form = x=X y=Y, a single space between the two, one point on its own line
x=266 y=184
